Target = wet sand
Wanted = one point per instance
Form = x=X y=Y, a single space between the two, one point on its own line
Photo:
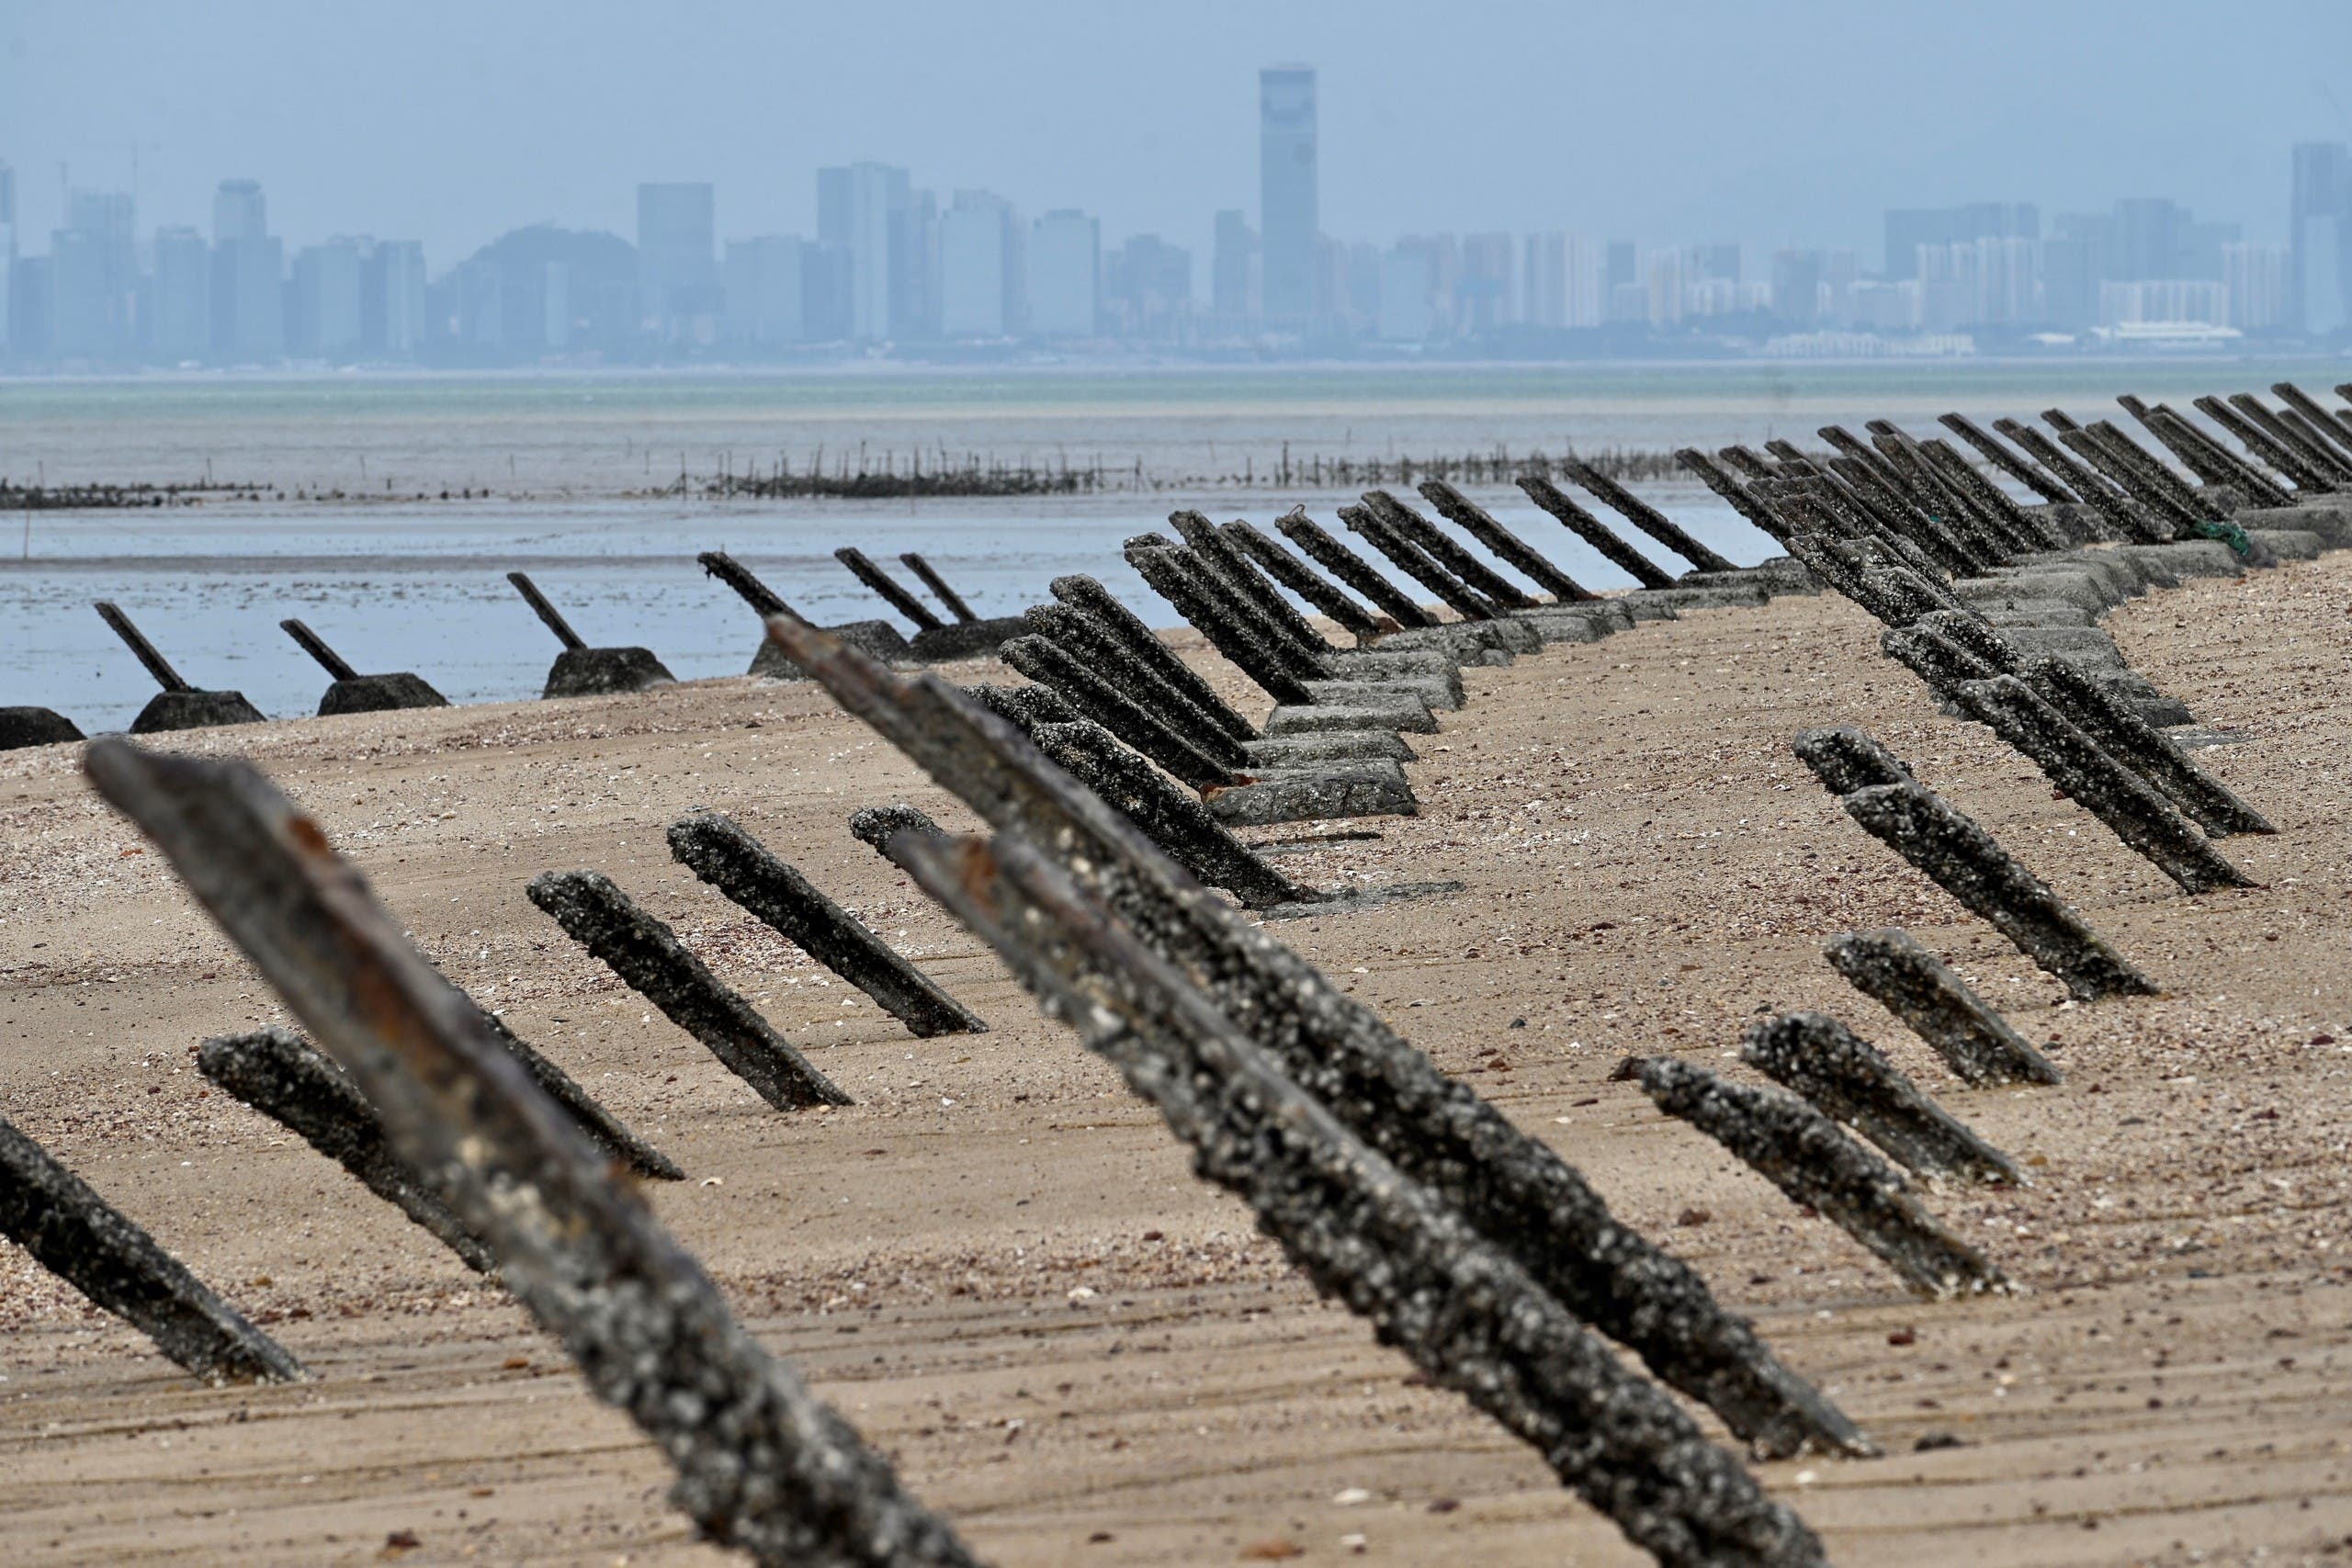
x=999 y=1266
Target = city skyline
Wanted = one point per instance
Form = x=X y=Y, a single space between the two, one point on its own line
x=891 y=264
x=893 y=260
x=1718 y=121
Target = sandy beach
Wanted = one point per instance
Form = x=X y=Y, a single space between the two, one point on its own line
x=999 y=1266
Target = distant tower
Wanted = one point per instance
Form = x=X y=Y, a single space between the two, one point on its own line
x=2319 y=216
x=677 y=256
x=866 y=213
x=248 y=315
x=239 y=212
x=1287 y=209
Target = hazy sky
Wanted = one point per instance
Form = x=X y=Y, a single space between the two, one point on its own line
x=1773 y=123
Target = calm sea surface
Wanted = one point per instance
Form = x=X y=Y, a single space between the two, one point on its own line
x=398 y=584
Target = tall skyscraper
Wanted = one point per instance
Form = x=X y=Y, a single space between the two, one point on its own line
x=765 y=285
x=1065 y=275
x=181 y=322
x=1361 y=298
x=1909 y=228
x=1407 y=279
x=865 y=210
x=1486 y=297
x=392 y=299
x=1561 y=282
x=239 y=212
x=980 y=266
x=1288 y=212
x=93 y=278
x=326 y=299
x=248 y=276
x=8 y=248
x=2258 y=278
x=1796 y=287
x=677 y=256
x=2319 y=215
x=1233 y=270
x=1148 y=287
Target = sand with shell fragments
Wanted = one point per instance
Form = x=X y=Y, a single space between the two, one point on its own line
x=999 y=1266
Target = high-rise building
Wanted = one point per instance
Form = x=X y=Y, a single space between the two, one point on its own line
x=1407 y=284
x=2139 y=301
x=94 y=279
x=678 y=262
x=326 y=299
x=1233 y=271
x=392 y=299
x=1484 y=297
x=1561 y=282
x=238 y=211
x=1796 y=287
x=2319 y=218
x=1288 y=208
x=181 y=321
x=29 y=307
x=1148 y=287
x=8 y=249
x=2008 y=289
x=2145 y=229
x=1360 y=299
x=1719 y=261
x=2259 y=279
x=1665 y=279
x=1908 y=228
x=981 y=269
x=248 y=276
x=1065 y=275
x=1841 y=268
x=765 y=283
x=867 y=211
x=1619 y=268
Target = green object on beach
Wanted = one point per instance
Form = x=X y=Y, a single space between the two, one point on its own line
x=2230 y=535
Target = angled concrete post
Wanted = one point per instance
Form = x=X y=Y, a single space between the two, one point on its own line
x=86 y=1242
x=1961 y=857
x=178 y=705
x=2007 y=459
x=1594 y=531
x=2129 y=806
x=884 y=584
x=1302 y=579
x=938 y=586
x=355 y=692
x=762 y=1465
x=646 y=953
x=1352 y=569
x=1108 y=659
x=1515 y=1189
x=1464 y=567
x=1360 y=1228
x=1647 y=518
x=1804 y=1153
x=301 y=1091
x=1094 y=601
x=716 y=849
x=1848 y=1080
x=1480 y=524
x=1049 y=664
x=1914 y=985
x=1419 y=564
x=581 y=670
